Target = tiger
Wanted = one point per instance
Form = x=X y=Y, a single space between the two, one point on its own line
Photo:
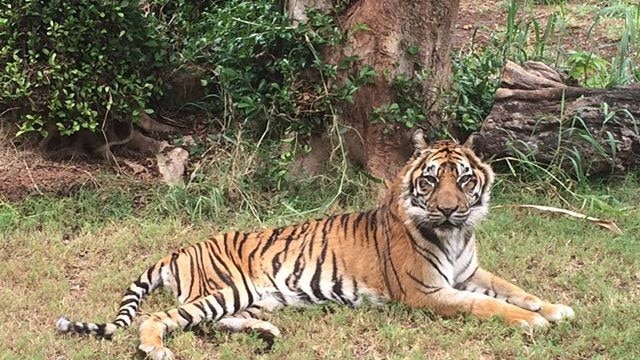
x=417 y=247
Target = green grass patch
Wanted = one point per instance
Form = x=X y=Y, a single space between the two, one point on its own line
x=48 y=271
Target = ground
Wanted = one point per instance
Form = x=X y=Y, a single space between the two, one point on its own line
x=75 y=255
x=573 y=27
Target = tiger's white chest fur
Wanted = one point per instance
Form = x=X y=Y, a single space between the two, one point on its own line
x=457 y=254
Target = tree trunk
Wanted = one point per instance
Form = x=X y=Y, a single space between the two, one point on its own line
x=538 y=117
x=404 y=37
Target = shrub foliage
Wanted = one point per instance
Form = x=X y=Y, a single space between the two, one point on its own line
x=77 y=63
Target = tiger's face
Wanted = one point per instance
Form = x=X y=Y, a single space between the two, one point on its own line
x=447 y=185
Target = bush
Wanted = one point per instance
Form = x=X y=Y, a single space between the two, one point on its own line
x=476 y=76
x=77 y=63
x=262 y=73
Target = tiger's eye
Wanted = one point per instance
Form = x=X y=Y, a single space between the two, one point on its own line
x=427 y=181
x=464 y=179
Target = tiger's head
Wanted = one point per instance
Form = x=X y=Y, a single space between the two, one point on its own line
x=445 y=185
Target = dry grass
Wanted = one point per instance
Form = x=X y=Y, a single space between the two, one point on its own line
x=55 y=264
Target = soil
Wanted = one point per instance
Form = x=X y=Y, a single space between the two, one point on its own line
x=23 y=171
x=574 y=32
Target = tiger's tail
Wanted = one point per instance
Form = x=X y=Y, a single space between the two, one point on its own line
x=129 y=305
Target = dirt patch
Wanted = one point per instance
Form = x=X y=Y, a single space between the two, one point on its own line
x=576 y=29
x=480 y=18
x=25 y=172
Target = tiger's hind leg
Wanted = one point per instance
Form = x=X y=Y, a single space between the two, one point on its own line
x=249 y=320
x=209 y=308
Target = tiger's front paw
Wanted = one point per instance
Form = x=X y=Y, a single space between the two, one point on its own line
x=556 y=312
x=527 y=319
x=526 y=301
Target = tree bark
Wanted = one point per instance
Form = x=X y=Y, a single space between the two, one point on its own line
x=403 y=37
x=537 y=116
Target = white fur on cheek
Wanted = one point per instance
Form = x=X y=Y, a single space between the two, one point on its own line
x=479 y=212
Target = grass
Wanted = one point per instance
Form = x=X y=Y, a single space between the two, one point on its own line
x=76 y=255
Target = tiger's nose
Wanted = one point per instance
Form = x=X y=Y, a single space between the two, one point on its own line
x=447 y=210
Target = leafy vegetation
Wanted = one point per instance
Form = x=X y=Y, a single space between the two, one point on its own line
x=261 y=69
x=78 y=63
x=477 y=68
x=408 y=108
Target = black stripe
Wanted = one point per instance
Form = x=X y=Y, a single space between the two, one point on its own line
x=381 y=257
x=285 y=251
x=294 y=277
x=214 y=258
x=466 y=265
x=275 y=264
x=249 y=292
x=344 y=221
x=373 y=221
x=422 y=283
x=125 y=311
x=185 y=315
x=245 y=237
x=221 y=300
x=271 y=240
x=176 y=273
x=130 y=292
x=470 y=276
x=201 y=308
x=252 y=254
x=337 y=280
x=420 y=249
x=467 y=237
x=196 y=262
x=433 y=263
x=430 y=235
x=142 y=285
x=366 y=226
x=315 y=280
x=202 y=270
x=235 y=240
x=289 y=240
x=385 y=229
x=430 y=292
x=126 y=302
x=272 y=281
x=192 y=272
x=356 y=223
x=355 y=289
x=100 y=329
x=304 y=296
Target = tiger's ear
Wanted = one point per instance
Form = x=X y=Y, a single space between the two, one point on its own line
x=419 y=141
x=475 y=142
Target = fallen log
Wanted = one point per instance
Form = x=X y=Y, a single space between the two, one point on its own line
x=538 y=116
